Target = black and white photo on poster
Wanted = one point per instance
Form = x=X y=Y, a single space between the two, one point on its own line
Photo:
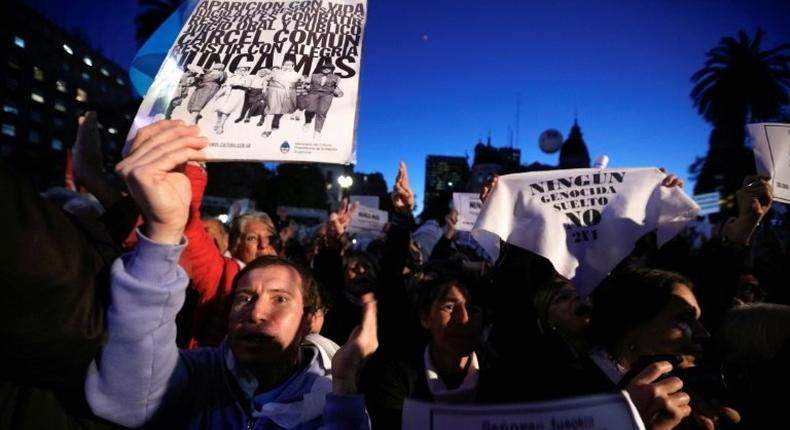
x=265 y=80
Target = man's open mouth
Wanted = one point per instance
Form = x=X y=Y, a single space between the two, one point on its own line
x=256 y=338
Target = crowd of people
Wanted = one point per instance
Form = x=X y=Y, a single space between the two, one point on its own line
x=128 y=307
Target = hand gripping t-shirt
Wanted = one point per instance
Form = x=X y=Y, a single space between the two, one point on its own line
x=585 y=221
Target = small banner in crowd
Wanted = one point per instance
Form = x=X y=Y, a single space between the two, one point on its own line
x=598 y=412
x=771 y=143
x=265 y=80
x=468 y=206
x=585 y=221
x=364 y=200
x=368 y=222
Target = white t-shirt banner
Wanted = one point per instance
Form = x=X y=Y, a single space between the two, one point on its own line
x=585 y=221
x=468 y=206
x=368 y=222
x=597 y=412
x=771 y=143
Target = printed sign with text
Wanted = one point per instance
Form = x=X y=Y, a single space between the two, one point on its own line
x=265 y=80
x=368 y=222
x=771 y=143
x=598 y=412
x=468 y=206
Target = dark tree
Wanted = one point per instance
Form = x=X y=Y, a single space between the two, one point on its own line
x=739 y=83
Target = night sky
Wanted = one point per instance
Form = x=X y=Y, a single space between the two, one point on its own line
x=439 y=75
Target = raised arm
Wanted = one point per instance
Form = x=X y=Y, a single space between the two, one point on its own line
x=345 y=408
x=721 y=260
x=402 y=223
x=134 y=373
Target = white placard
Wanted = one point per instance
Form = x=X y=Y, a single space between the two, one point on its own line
x=771 y=143
x=368 y=222
x=265 y=80
x=468 y=206
x=597 y=412
x=367 y=201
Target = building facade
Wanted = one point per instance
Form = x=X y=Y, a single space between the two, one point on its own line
x=443 y=176
x=49 y=77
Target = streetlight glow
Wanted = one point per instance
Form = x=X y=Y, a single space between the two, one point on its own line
x=345 y=181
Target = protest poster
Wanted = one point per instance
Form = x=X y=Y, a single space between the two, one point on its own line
x=368 y=201
x=265 y=80
x=368 y=222
x=584 y=221
x=771 y=144
x=468 y=206
x=597 y=412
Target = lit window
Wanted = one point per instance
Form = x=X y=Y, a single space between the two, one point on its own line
x=105 y=72
x=120 y=81
x=82 y=96
x=86 y=76
x=68 y=50
x=18 y=41
x=57 y=144
x=112 y=130
x=34 y=136
x=59 y=106
x=87 y=61
x=38 y=74
x=61 y=86
x=9 y=107
x=9 y=129
x=36 y=97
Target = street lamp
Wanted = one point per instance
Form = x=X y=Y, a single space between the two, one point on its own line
x=345 y=181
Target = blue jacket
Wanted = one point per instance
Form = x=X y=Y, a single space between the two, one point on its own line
x=141 y=378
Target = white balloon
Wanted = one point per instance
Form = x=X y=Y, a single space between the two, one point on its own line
x=550 y=141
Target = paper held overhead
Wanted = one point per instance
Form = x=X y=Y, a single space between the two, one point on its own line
x=270 y=81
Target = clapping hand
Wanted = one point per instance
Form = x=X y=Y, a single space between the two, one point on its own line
x=402 y=195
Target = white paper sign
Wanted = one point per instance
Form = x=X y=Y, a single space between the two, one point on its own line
x=468 y=206
x=585 y=221
x=265 y=80
x=598 y=412
x=771 y=143
x=368 y=201
x=368 y=222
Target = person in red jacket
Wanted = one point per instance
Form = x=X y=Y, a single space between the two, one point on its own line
x=252 y=235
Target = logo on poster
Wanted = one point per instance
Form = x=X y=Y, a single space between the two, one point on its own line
x=285 y=147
